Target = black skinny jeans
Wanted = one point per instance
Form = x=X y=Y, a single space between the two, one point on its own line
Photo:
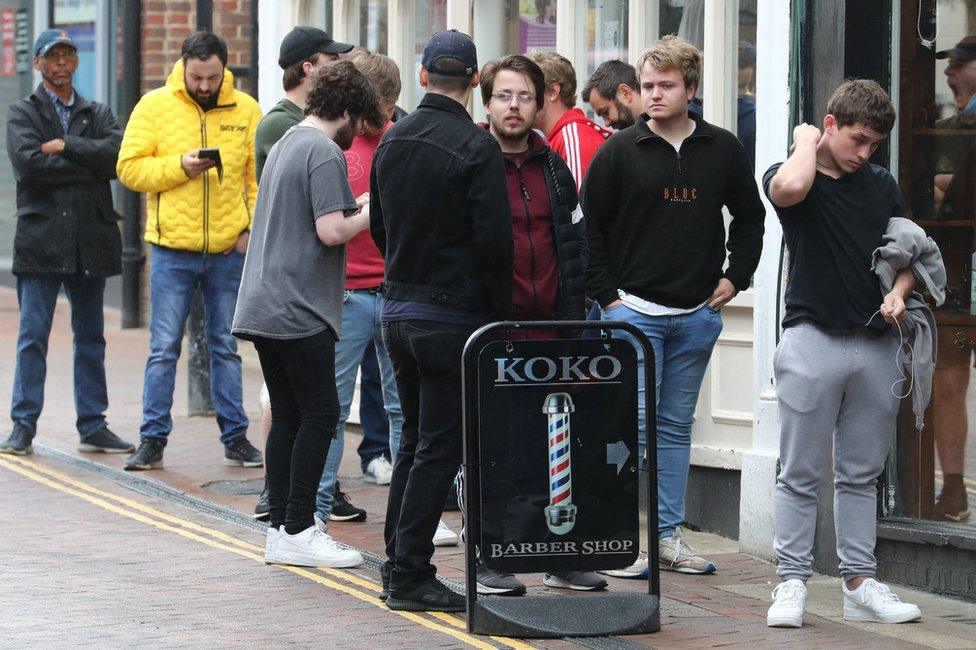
x=300 y=374
x=426 y=359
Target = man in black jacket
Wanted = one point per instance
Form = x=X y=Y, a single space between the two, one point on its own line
x=446 y=241
x=653 y=200
x=63 y=150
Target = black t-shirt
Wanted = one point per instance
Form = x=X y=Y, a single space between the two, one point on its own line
x=831 y=236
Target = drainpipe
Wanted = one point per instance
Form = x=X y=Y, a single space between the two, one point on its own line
x=132 y=252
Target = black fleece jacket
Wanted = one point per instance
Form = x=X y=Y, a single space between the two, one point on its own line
x=654 y=216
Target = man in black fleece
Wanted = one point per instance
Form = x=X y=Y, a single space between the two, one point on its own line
x=653 y=201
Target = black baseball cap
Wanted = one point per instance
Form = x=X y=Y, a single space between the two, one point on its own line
x=964 y=49
x=450 y=44
x=304 y=42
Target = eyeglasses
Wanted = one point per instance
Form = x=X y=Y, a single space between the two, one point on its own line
x=61 y=54
x=506 y=97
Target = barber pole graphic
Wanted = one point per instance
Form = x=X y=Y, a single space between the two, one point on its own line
x=560 y=513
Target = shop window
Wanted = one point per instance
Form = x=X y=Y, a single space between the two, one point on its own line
x=745 y=127
x=429 y=17
x=605 y=34
x=318 y=13
x=369 y=20
x=934 y=476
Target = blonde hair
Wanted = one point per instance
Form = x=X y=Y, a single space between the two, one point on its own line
x=382 y=71
x=673 y=53
x=558 y=70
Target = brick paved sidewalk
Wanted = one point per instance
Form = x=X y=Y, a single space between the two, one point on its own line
x=726 y=609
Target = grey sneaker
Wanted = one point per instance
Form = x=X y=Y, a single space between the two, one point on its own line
x=677 y=555
x=18 y=442
x=103 y=440
x=636 y=570
x=497 y=583
x=576 y=580
x=149 y=455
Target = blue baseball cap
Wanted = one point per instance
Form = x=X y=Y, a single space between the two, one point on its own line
x=51 y=37
x=450 y=44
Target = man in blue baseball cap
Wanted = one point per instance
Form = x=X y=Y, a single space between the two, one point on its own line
x=63 y=150
x=446 y=241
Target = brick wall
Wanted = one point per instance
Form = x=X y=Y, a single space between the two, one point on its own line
x=166 y=23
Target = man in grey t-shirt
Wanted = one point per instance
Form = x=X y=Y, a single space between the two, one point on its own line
x=290 y=303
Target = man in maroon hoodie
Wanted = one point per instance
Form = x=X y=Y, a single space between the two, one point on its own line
x=548 y=268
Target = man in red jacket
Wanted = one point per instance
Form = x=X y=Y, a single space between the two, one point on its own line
x=570 y=133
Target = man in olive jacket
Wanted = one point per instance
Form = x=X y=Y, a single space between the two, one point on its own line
x=63 y=149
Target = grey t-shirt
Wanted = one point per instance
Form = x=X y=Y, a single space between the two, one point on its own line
x=292 y=285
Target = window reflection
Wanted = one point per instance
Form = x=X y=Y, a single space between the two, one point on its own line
x=937 y=170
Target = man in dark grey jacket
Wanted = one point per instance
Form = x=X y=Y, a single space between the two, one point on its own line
x=63 y=150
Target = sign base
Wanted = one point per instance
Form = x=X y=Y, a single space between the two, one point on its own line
x=547 y=617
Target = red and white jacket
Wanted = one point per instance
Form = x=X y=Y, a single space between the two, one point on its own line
x=576 y=138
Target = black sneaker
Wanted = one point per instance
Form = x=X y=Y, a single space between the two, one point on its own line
x=262 y=511
x=953 y=503
x=497 y=583
x=430 y=596
x=149 y=455
x=241 y=453
x=103 y=440
x=343 y=510
x=18 y=442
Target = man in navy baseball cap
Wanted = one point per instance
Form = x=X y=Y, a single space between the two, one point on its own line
x=51 y=37
x=450 y=44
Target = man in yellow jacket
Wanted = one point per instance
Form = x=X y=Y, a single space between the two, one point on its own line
x=200 y=207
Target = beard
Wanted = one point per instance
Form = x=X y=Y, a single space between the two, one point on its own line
x=625 y=117
x=344 y=137
x=206 y=103
x=510 y=133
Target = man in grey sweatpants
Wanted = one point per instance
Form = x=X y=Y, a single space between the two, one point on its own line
x=836 y=367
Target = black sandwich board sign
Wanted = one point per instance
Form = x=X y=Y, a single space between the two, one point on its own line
x=552 y=477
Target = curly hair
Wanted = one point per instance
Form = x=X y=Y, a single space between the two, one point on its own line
x=340 y=86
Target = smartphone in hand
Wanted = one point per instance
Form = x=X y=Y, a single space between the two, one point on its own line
x=214 y=155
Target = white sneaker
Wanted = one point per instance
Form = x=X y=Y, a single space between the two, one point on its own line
x=313 y=548
x=322 y=526
x=379 y=471
x=789 y=599
x=636 y=570
x=444 y=536
x=873 y=602
x=271 y=545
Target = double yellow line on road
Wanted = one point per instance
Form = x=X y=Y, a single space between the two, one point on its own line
x=351 y=584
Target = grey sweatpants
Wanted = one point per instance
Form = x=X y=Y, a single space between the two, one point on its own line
x=834 y=389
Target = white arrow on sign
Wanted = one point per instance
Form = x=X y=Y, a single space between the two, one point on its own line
x=617 y=454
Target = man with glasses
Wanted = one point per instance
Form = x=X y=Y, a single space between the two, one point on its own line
x=63 y=150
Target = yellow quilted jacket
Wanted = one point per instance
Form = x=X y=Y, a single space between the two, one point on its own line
x=204 y=213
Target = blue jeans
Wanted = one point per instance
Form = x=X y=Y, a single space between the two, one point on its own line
x=360 y=326
x=174 y=278
x=682 y=347
x=37 y=296
x=372 y=414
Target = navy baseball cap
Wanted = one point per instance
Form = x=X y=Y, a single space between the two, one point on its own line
x=450 y=44
x=304 y=42
x=964 y=49
x=51 y=37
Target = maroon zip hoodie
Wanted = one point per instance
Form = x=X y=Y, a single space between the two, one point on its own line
x=535 y=269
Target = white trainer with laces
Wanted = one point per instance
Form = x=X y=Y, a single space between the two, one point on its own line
x=313 y=548
x=444 y=536
x=379 y=471
x=873 y=602
x=271 y=545
x=636 y=570
x=789 y=600
x=678 y=555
